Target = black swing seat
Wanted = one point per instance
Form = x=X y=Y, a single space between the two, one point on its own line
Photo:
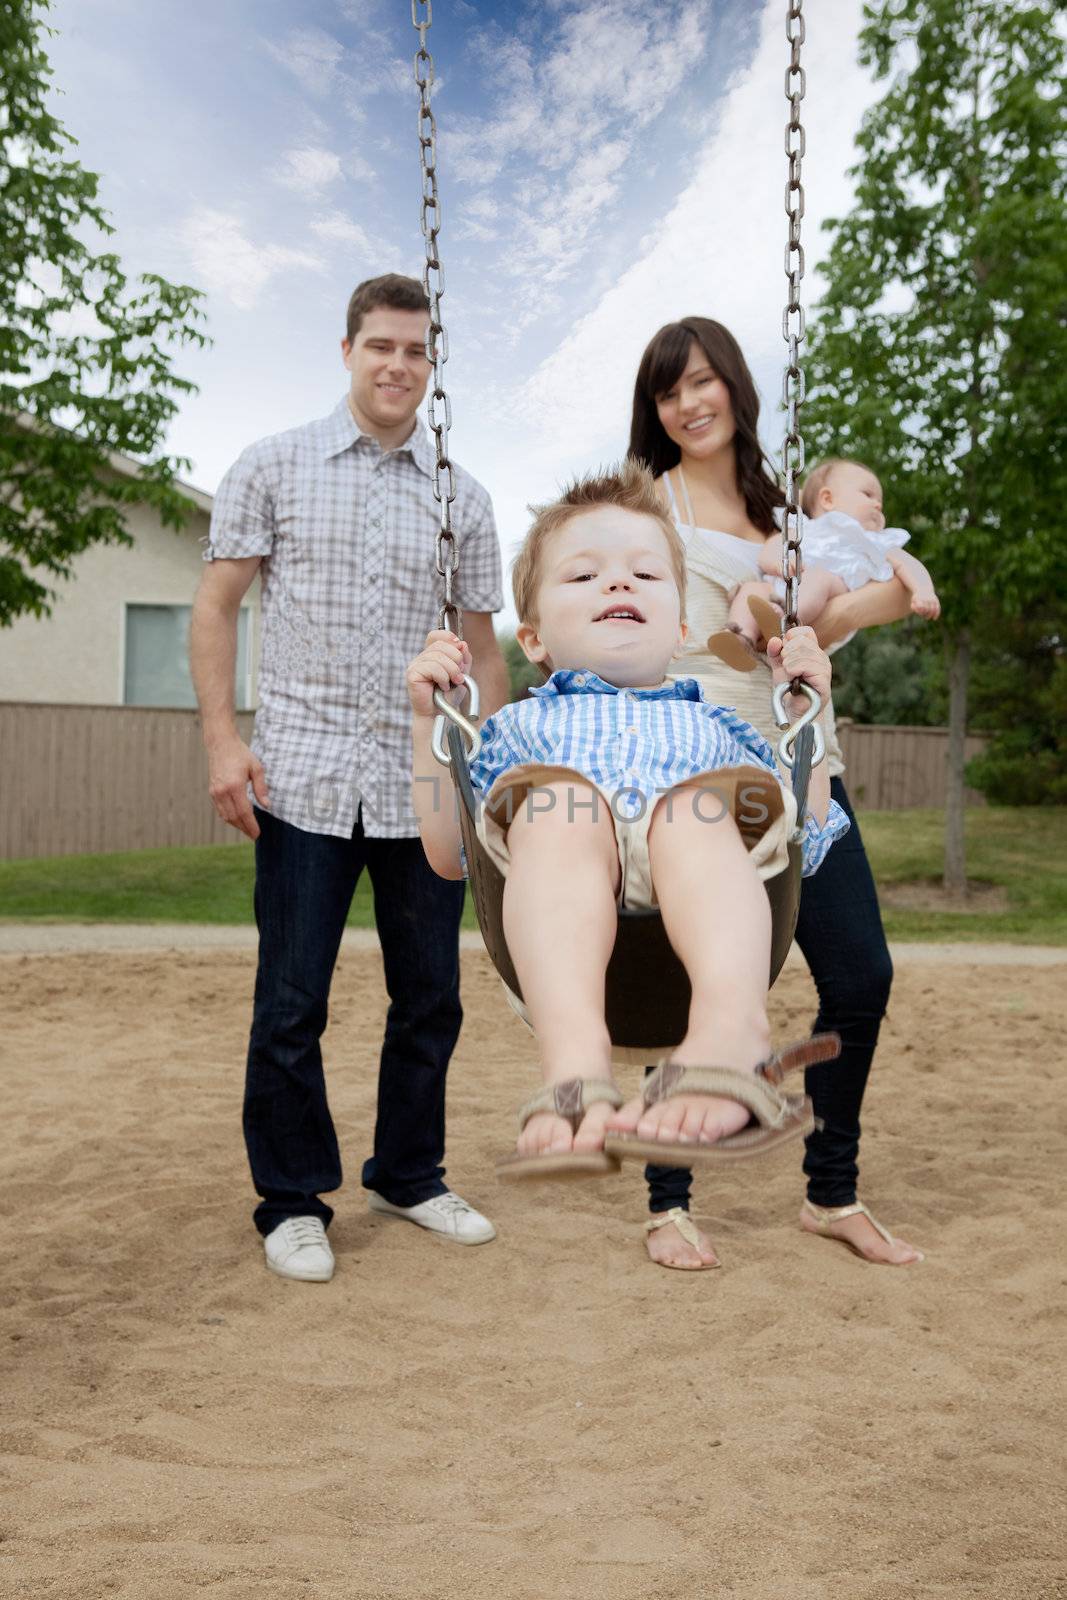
x=647 y=991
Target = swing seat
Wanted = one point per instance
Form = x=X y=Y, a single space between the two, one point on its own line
x=647 y=992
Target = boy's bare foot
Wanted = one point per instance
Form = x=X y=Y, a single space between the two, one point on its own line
x=860 y=1234
x=667 y=1248
x=548 y=1134
x=699 y=1118
x=685 y=1119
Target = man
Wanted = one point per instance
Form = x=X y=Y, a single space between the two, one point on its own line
x=339 y=518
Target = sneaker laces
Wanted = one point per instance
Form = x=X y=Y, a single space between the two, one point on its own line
x=450 y=1205
x=302 y=1231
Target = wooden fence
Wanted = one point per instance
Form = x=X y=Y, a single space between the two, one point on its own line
x=86 y=779
x=892 y=768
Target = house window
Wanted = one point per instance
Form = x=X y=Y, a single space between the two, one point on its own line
x=157 y=658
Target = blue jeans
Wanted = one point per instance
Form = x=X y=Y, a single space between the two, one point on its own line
x=304 y=887
x=839 y=931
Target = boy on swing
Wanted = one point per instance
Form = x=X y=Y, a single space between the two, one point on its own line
x=613 y=786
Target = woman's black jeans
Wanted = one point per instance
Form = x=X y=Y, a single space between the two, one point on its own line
x=839 y=931
x=304 y=887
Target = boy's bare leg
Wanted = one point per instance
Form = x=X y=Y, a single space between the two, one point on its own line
x=718 y=919
x=818 y=586
x=560 y=923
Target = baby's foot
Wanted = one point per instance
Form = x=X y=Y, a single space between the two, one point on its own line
x=667 y=1246
x=549 y=1134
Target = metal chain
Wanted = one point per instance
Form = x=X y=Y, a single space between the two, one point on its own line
x=793 y=317
x=433 y=279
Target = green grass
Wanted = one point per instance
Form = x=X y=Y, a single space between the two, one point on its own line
x=1020 y=849
x=1024 y=850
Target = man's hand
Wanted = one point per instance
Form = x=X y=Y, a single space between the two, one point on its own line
x=443 y=664
x=232 y=767
x=799 y=655
x=924 y=603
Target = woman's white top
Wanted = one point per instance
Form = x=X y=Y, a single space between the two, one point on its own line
x=845 y=547
x=716 y=563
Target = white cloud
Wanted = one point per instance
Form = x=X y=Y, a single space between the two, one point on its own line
x=342 y=230
x=311 y=55
x=572 y=115
x=307 y=169
x=718 y=252
x=227 y=262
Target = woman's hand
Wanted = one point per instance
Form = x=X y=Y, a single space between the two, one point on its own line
x=444 y=663
x=799 y=655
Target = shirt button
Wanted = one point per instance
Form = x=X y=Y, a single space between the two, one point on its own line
x=580 y=679
x=375 y=522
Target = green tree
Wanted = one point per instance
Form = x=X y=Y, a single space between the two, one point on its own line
x=85 y=355
x=939 y=353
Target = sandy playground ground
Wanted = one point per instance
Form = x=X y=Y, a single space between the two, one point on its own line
x=549 y=1416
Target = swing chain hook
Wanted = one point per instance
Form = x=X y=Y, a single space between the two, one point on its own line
x=466 y=722
x=433 y=279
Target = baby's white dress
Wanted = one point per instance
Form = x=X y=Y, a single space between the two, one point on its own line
x=845 y=547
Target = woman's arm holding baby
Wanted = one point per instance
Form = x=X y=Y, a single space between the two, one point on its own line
x=442 y=665
x=869 y=607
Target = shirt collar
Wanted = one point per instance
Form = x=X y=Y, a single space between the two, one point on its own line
x=340 y=431
x=567 y=681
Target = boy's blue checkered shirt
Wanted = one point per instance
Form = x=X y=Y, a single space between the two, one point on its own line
x=634 y=743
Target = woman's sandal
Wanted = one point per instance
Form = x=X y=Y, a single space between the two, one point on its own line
x=823 y=1216
x=569 y=1100
x=775 y=1118
x=689 y=1232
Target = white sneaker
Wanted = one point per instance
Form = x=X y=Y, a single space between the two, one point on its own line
x=298 y=1248
x=446 y=1213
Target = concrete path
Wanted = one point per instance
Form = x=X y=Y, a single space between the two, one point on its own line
x=78 y=938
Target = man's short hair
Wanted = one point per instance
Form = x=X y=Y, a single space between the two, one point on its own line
x=392 y=289
x=628 y=485
x=818 y=478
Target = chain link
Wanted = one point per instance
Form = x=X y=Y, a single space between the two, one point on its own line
x=793 y=384
x=433 y=279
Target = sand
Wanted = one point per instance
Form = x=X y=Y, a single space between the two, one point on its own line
x=546 y=1416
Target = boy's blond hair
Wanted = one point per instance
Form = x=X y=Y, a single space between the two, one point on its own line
x=819 y=476
x=628 y=485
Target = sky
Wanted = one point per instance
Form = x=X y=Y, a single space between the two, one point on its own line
x=605 y=167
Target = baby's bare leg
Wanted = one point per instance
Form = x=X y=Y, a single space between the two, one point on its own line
x=718 y=919
x=741 y=618
x=560 y=922
x=818 y=586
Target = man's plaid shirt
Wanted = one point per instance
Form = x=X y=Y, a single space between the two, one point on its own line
x=350 y=589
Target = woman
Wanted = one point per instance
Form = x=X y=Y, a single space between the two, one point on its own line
x=695 y=425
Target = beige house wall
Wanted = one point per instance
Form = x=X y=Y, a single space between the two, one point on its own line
x=77 y=655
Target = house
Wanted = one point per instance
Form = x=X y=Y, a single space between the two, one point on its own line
x=118 y=634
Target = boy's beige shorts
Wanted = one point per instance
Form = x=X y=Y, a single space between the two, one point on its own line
x=764 y=811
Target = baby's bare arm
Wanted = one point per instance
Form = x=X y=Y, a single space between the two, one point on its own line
x=918 y=582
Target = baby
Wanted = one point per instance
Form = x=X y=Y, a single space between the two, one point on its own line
x=846 y=544
x=611 y=786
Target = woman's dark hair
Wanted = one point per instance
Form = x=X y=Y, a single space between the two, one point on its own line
x=662 y=365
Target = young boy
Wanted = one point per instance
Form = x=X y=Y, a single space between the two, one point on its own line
x=612 y=786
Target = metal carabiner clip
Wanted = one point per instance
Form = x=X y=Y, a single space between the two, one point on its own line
x=463 y=722
x=789 y=738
